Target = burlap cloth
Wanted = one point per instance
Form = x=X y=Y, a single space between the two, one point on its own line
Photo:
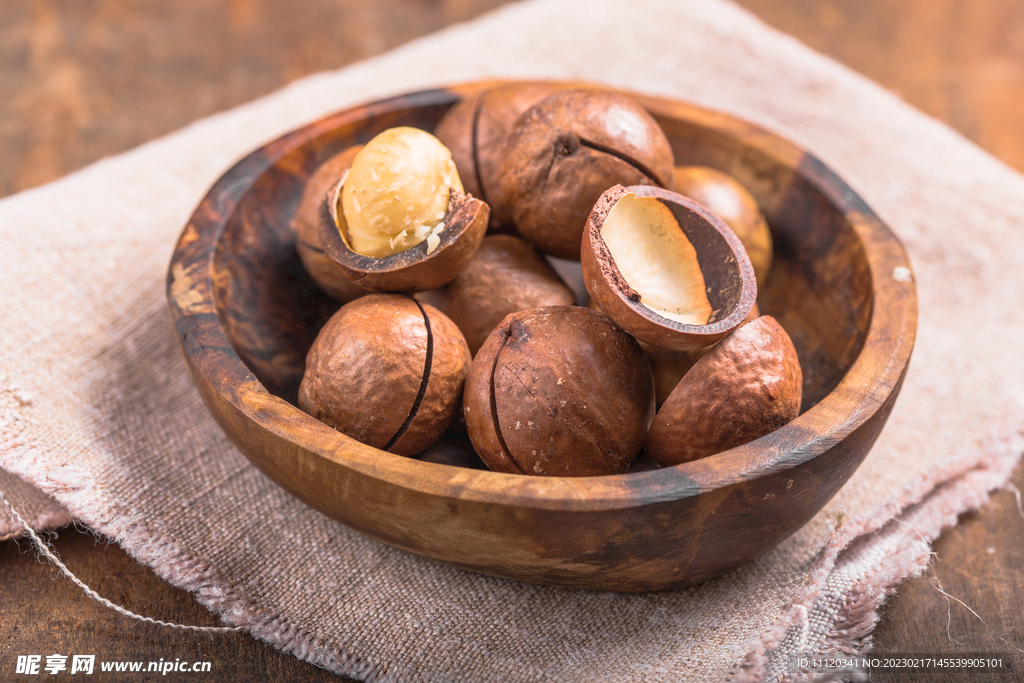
x=98 y=411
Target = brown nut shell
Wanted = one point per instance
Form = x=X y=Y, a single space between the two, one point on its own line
x=670 y=366
x=418 y=268
x=306 y=223
x=715 y=254
x=748 y=385
x=733 y=203
x=559 y=391
x=387 y=371
x=568 y=149
x=475 y=130
x=505 y=275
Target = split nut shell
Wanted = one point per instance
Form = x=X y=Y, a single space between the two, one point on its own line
x=475 y=130
x=390 y=177
x=568 y=149
x=748 y=385
x=388 y=371
x=559 y=391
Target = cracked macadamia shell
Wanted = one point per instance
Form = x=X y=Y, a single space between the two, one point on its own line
x=504 y=276
x=666 y=269
x=418 y=268
x=475 y=131
x=417 y=227
x=746 y=386
x=387 y=371
x=734 y=204
x=559 y=391
x=325 y=272
x=568 y=149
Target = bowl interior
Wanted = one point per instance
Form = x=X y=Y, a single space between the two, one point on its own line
x=820 y=288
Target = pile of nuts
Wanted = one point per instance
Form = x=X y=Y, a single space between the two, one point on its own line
x=459 y=343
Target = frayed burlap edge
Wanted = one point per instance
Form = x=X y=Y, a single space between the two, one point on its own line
x=927 y=507
x=143 y=541
x=41 y=512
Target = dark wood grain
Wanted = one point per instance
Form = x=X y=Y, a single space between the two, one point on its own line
x=81 y=80
x=84 y=79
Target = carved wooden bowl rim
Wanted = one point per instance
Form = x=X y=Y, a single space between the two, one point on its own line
x=875 y=374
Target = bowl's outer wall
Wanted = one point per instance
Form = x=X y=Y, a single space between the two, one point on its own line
x=237 y=292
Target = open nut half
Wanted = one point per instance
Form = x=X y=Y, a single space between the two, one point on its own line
x=666 y=269
x=399 y=220
x=424 y=266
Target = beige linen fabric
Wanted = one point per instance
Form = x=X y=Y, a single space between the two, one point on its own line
x=33 y=504
x=115 y=432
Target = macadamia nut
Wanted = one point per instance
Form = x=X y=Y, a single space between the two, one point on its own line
x=397 y=191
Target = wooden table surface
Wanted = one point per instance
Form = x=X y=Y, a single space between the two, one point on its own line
x=83 y=79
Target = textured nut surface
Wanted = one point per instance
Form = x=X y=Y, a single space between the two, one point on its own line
x=559 y=391
x=325 y=272
x=670 y=366
x=746 y=386
x=504 y=276
x=733 y=203
x=397 y=192
x=568 y=149
x=475 y=131
x=386 y=371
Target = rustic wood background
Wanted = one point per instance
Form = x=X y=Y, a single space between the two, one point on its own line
x=83 y=79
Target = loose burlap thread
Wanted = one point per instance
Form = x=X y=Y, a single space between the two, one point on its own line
x=97 y=411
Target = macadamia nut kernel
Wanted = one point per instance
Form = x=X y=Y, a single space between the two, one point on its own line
x=397 y=191
x=656 y=258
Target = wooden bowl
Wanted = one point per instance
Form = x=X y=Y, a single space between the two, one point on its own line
x=246 y=312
